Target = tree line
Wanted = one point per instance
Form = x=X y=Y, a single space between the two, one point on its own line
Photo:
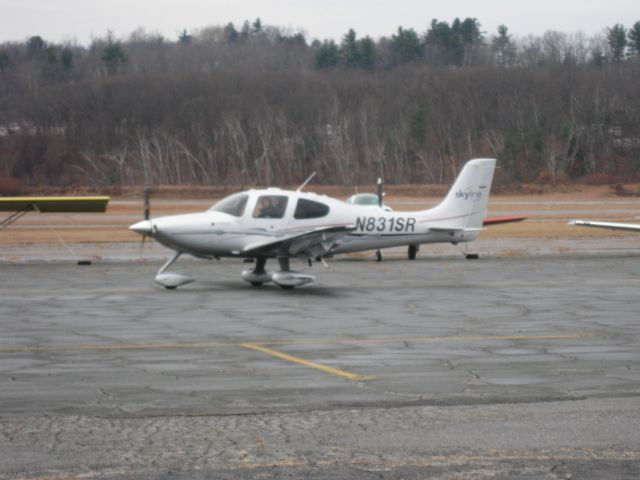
x=259 y=104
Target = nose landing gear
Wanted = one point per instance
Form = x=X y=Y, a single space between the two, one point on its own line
x=170 y=280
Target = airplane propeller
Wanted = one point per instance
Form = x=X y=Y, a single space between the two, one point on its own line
x=144 y=228
x=147 y=213
x=147 y=193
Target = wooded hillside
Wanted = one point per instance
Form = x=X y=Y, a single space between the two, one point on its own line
x=258 y=104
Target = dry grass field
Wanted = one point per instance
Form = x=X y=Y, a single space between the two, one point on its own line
x=548 y=214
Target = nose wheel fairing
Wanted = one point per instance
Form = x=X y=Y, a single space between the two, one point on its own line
x=172 y=280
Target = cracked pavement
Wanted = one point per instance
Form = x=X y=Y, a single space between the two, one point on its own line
x=498 y=368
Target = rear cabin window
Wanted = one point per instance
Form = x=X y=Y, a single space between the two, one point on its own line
x=270 y=206
x=310 y=209
x=232 y=205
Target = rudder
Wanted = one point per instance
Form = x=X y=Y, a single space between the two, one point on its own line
x=465 y=206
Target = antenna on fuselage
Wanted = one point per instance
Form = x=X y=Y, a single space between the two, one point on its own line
x=380 y=192
x=304 y=184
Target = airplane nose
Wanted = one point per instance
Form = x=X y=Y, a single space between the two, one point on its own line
x=145 y=227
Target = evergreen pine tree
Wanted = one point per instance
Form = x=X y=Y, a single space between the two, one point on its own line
x=405 y=46
x=617 y=38
x=634 y=38
x=328 y=55
x=367 y=53
x=349 y=49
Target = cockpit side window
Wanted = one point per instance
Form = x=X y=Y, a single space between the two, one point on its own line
x=270 y=206
x=232 y=205
x=310 y=209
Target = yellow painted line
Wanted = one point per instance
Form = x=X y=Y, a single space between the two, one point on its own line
x=122 y=346
x=338 y=341
x=380 y=340
x=307 y=363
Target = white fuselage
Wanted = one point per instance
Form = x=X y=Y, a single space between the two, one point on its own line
x=215 y=233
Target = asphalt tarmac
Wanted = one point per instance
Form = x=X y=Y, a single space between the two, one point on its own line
x=503 y=367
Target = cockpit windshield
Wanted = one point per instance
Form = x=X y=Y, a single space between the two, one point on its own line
x=232 y=205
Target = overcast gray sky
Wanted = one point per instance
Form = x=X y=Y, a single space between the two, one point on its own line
x=62 y=20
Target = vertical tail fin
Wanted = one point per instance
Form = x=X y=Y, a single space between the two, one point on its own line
x=465 y=206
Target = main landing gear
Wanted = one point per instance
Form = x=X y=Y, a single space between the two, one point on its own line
x=258 y=275
x=285 y=278
x=411 y=252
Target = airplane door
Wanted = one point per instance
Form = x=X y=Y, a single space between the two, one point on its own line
x=268 y=212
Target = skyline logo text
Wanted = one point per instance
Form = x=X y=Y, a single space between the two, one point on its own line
x=469 y=194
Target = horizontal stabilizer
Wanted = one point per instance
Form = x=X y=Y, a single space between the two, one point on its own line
x=499 y=220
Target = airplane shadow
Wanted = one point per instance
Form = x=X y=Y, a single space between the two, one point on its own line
x=269 y=289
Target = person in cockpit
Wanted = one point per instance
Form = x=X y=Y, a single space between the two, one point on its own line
x=267 y=209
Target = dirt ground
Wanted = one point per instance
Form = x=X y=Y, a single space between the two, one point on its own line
x=548 y=215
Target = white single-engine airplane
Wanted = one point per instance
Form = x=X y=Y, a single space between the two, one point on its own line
x=285 y=224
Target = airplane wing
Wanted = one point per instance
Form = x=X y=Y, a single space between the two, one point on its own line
x=311 y=243
x=54 y=204
x=20 y=206
x=631 y=227
x=498 y=220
